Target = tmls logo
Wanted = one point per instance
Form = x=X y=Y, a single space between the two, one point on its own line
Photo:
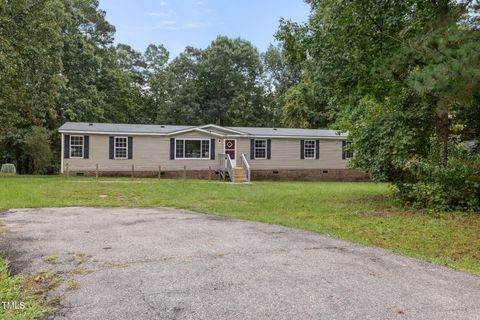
x=8 y=305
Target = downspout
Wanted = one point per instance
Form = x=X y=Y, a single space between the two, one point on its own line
x=61 y=155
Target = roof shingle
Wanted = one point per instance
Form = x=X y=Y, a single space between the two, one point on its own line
x=168 y=129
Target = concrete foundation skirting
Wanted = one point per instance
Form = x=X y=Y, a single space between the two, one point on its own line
x=257 y=175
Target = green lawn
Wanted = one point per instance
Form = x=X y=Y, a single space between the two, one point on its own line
x=359 y=212
x=27 y=292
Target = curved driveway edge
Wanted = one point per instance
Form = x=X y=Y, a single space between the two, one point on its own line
x=174 y=264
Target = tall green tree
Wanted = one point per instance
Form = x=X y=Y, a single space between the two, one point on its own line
x=30 y=70
x=397 y=68
x=37 y=149
x=58 y=64
x=279 y=77
x=230 y=88
x=156 y=62
x=176 y=96
x=122 y=82
x=85 y=47
x=306 y=106
x=221 y=84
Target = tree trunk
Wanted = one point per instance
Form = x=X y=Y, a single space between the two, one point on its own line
x=442 y=130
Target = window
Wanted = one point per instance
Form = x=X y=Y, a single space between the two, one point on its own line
x=121 y=147
x=192 y=149
x=205 y=149
x=309 y=149
x=179 y=148
x=348 y=151
x=260 y=149
x=76 y=146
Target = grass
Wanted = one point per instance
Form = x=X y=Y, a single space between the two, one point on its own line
x=360 y=212
x=25 y=295
x=72 y=285
x=52 y=259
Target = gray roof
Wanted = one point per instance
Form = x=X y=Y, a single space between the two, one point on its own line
x=258 y=131
x=470 y=144
x=120 y=127
x=167 y=129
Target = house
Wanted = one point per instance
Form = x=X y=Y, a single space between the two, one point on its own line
x=208 y=151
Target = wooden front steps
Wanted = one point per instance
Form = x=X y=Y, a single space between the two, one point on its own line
x=240 y=176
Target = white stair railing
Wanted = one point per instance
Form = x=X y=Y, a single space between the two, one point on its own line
x=245 y=167
x=226 y=164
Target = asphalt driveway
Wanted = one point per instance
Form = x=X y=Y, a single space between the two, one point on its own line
x=174 y=264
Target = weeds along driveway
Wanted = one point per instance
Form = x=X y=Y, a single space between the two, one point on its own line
x=127 y=263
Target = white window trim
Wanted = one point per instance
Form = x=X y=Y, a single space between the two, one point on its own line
x=255 y=149
x=83 y=147
x=209 y=149
x=115 y=148
x=314 y=150
x=347 y=157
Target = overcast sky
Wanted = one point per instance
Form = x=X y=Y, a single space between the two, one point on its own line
x=177 y=23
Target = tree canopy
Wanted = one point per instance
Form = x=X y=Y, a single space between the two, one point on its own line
x=402 y=77
x=394 y=74
x=58 y=63
x=410 y=67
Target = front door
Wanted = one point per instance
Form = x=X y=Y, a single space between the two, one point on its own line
x=230 y=145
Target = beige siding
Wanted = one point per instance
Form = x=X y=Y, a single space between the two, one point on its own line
x=151 y=151
x=193 y=135
x=286 y=155
x=218 y=131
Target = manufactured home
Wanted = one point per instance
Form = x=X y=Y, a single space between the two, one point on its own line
x=210 y=151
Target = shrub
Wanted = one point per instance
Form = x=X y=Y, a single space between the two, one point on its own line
x=8 y=168
x=37 y=147
x=454 y=185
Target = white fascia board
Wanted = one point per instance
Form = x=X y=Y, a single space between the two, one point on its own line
x=222 y=128
x=208 y=132
x=181 y=131
x=200 y=130
x=204 y=129
x=114 y=133
x=287 y=137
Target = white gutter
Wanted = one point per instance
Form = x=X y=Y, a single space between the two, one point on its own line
x=203 y=131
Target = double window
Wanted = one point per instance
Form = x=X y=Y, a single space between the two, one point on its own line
x=76 y=146
x=309 y=149
x=192 y=149
x=260 y=149
x=121 y=147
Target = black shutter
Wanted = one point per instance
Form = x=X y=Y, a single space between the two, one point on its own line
x=344 y=143
x=111 y=147
x=269 y=149
x=302 y=149
x=317 y=149
x=252 y=149
x=212 y=149
x=130 y=147
x=86 y=146
x=172 y=148
x=66 y=146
